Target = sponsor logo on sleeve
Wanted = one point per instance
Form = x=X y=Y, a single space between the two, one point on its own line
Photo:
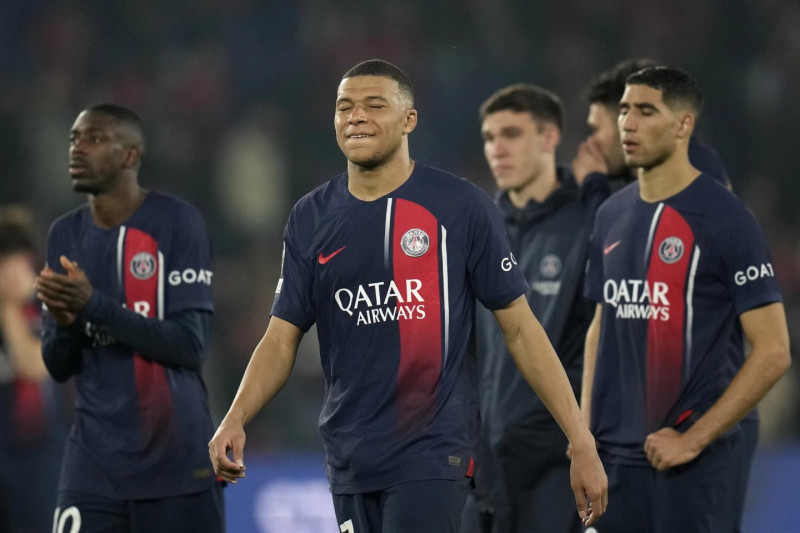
x=189 y=276
x=754 y=272
x=507 y=263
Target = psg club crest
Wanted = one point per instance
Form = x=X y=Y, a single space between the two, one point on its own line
x=415 y=242
x=143 y=265
x=670 y=250
x=550 y=266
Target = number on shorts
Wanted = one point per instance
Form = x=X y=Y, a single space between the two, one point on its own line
x=347 y=527
x=60 y=520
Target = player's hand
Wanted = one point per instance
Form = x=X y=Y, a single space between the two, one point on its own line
x=588 y=159
x=64 y=294
x=229 y=438
x=667 y=448
x=589 y=484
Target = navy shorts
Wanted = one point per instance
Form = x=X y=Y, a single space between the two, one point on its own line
x=203 y=512
x=429 y=506
x=701 y=496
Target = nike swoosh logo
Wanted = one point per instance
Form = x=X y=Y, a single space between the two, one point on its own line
x=325 y=258
x=607 y=249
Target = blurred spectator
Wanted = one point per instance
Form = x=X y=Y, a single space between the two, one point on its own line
x=31 y=430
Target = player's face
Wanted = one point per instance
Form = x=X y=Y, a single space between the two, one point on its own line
x=372 y=119
x=648 y=127
x=96 y=153
x=514 y=149
x=602 y=120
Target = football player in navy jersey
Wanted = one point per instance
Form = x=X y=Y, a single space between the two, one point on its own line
x=388 y=259
x=127 y=289
x=600 y=161
x=680 y=271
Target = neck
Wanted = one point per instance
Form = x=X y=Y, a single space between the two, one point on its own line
x=667 y=179
x=372 y=183
x=110 y=209
x=538 y=189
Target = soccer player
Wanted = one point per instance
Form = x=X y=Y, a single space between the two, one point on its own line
x=600 y=162
x=527 y=489
x=127 y=287
x=675 y=259
x=601 y=153
x=31 y=428
x=387 y=259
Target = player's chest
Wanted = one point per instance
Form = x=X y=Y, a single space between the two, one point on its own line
x=395 y=240
x=110 y=257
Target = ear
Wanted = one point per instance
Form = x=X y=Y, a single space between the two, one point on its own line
x=410 y=121
x=551 y=136
x=685 y=126
x=132 y=156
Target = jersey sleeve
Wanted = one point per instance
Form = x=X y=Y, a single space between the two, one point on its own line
x=293 y=295
x=746 y=264
x=495 y=277
x=593 y=281
x=188 y=264
x=61 y=346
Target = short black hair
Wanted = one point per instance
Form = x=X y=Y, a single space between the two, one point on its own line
x=608 y=87
x=125 y=117
x=544 y=105
x=17 y=231
x=677 y=87
x=380 y=67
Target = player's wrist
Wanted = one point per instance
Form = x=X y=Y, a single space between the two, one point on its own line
x=585 y=443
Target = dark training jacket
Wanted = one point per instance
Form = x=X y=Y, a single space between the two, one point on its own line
x=549 y=241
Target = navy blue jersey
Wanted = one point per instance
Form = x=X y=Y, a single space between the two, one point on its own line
x=141 y=426
x=673 y=277
x=391 y=285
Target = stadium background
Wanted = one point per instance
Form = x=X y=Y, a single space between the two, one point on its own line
x=237 y=96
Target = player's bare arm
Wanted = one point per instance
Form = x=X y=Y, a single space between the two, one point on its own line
x=267 y=372
x=765 y=328
x=589 y=362
x=537 y=361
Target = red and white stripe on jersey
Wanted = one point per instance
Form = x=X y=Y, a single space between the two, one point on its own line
x=423 y=341
x=146 y=297
x=668 y=340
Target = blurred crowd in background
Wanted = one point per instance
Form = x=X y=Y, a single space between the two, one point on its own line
x=238 y=100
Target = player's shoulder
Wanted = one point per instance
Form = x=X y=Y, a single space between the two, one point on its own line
x=71 y=220
x=322 y=194
x=171 y=203
x=719 y=204
x=441 y=186
x=709 y=191
x=172 y=210
x=619 y=200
